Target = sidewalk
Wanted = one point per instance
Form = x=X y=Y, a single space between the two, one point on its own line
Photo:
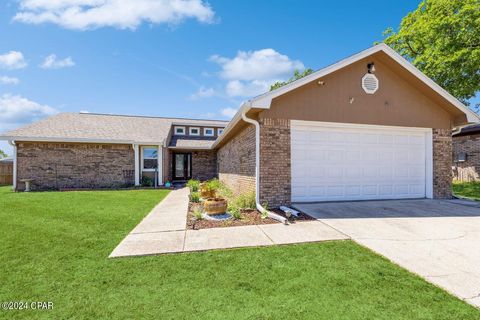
x=163 y=230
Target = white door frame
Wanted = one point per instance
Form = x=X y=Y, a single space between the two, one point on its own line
x=426 y=131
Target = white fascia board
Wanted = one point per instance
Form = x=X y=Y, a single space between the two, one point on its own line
x=75 y=140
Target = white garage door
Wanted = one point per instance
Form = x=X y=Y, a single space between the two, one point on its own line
x=336 y=162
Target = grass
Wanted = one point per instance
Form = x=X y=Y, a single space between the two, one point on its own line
x=54 y=247
x=469 y=190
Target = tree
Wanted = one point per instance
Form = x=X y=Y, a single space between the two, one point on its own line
x=2 y=154
x=296 y=75
x=442 y=39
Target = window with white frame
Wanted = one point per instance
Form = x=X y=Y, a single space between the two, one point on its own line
x=219 y=131
x=180 y=131
x=208 y=132
x=194 y=131
x=149 y=158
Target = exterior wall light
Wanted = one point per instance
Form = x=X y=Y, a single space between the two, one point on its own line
x=371 y=67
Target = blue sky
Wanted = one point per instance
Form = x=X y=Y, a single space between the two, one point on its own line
x=181 y=58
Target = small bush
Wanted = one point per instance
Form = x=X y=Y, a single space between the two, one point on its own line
x=212 y=185
x=264 y=213
x=193 y=185
x=246 y=201
x=198 y=214
x=195 y=197
x=147 y=181
x=235 y=212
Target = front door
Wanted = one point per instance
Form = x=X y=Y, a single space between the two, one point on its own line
x=182 y=166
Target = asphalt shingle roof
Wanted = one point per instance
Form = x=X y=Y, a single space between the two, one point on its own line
x=191 y=142
x=101 y=127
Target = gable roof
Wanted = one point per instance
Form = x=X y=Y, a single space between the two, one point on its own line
x=264 y=101
x=102 y=128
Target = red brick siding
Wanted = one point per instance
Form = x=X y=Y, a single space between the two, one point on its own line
x=468 y=170
x=442 y=163
x=204 y=165
x=275 y=162
x=71 y=165
x=236 y=161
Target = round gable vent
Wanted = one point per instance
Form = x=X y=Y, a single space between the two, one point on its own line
x=370 y=83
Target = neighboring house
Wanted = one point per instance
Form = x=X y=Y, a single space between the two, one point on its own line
x=368 y=127
x=466 y=153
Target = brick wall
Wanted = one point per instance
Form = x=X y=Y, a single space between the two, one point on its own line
x=236 y=161
x=442 y=163
x=70 y=165
x=275 y=162
x=467 y=170
x=204 y=165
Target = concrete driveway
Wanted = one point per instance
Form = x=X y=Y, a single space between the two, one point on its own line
x=436 y=239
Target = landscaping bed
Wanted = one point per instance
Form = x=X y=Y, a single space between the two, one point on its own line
x=248 y=217
x=236 y=210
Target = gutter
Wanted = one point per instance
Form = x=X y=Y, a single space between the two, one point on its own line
x=260 y=208
x=13 y=144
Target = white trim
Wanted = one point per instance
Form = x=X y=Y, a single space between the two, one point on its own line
x=14 y=145
x=179 y=127
x=429 y=164
x=194 y=134
x=160 y=165
x=142 y=169
x=355 y=126
x=137 y=164
x=351 y=126
x=264 y=101
x=190 y=148
x=76 y=140
x=208 y=135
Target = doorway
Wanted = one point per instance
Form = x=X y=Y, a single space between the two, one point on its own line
x=182 y=166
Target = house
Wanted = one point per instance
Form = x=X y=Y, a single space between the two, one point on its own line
x=371 y=126
x=466 y=153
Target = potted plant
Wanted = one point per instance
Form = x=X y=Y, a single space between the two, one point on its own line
x=209 y=188
x=214 y=206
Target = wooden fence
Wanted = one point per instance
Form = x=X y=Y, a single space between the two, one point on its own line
x=6 y=173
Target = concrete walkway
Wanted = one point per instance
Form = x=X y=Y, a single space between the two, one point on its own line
x=163 y=230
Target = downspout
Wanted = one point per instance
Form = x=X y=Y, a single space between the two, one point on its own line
x=257 y=168
x=14 y=145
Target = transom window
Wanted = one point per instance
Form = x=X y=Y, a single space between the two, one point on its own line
x=209 y=132
x=149 y=158
x=180 y=131
x=194 y=131
x=220 y=131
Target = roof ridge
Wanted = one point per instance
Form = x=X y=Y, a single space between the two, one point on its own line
x=142 y=116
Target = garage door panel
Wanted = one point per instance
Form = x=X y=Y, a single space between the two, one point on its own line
x=334 y=164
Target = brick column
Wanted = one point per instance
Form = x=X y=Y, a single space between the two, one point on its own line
x=275 y=162
x=442 y=163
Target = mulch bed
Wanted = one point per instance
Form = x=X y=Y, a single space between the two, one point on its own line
x=249 y=217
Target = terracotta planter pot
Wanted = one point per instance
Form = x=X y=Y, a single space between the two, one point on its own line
x=213 y=206
x=206 y=193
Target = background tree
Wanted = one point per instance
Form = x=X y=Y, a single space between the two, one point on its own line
x=296 y=75
x=442 y=39
x=2 y=154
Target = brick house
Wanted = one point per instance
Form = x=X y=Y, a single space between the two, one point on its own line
x=466 y=153
x=368 y=127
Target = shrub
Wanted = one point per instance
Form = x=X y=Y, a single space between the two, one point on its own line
x=198 y=214
x=246 y=201
x=264 y=213
x=195 y=197
x=147 y=181
x=235 y=212
x=212 y=185
x=193 y=185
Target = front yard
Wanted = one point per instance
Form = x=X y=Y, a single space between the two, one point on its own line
x=54 y=247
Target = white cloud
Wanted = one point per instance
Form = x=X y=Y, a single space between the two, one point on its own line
x=51 y=62
x=228 y=112
x=12 y=60
x=202 y=92
x=250 y=73
x=16 y=110
x=121 y=14
x=9 y=80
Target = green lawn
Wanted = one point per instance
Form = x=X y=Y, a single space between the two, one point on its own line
x=467 y=190
x=54 y=247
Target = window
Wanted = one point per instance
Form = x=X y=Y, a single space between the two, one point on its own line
x=149 y=158
x=219 y=131
x=194 y=131
x=208 y=132
x=180 y=131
